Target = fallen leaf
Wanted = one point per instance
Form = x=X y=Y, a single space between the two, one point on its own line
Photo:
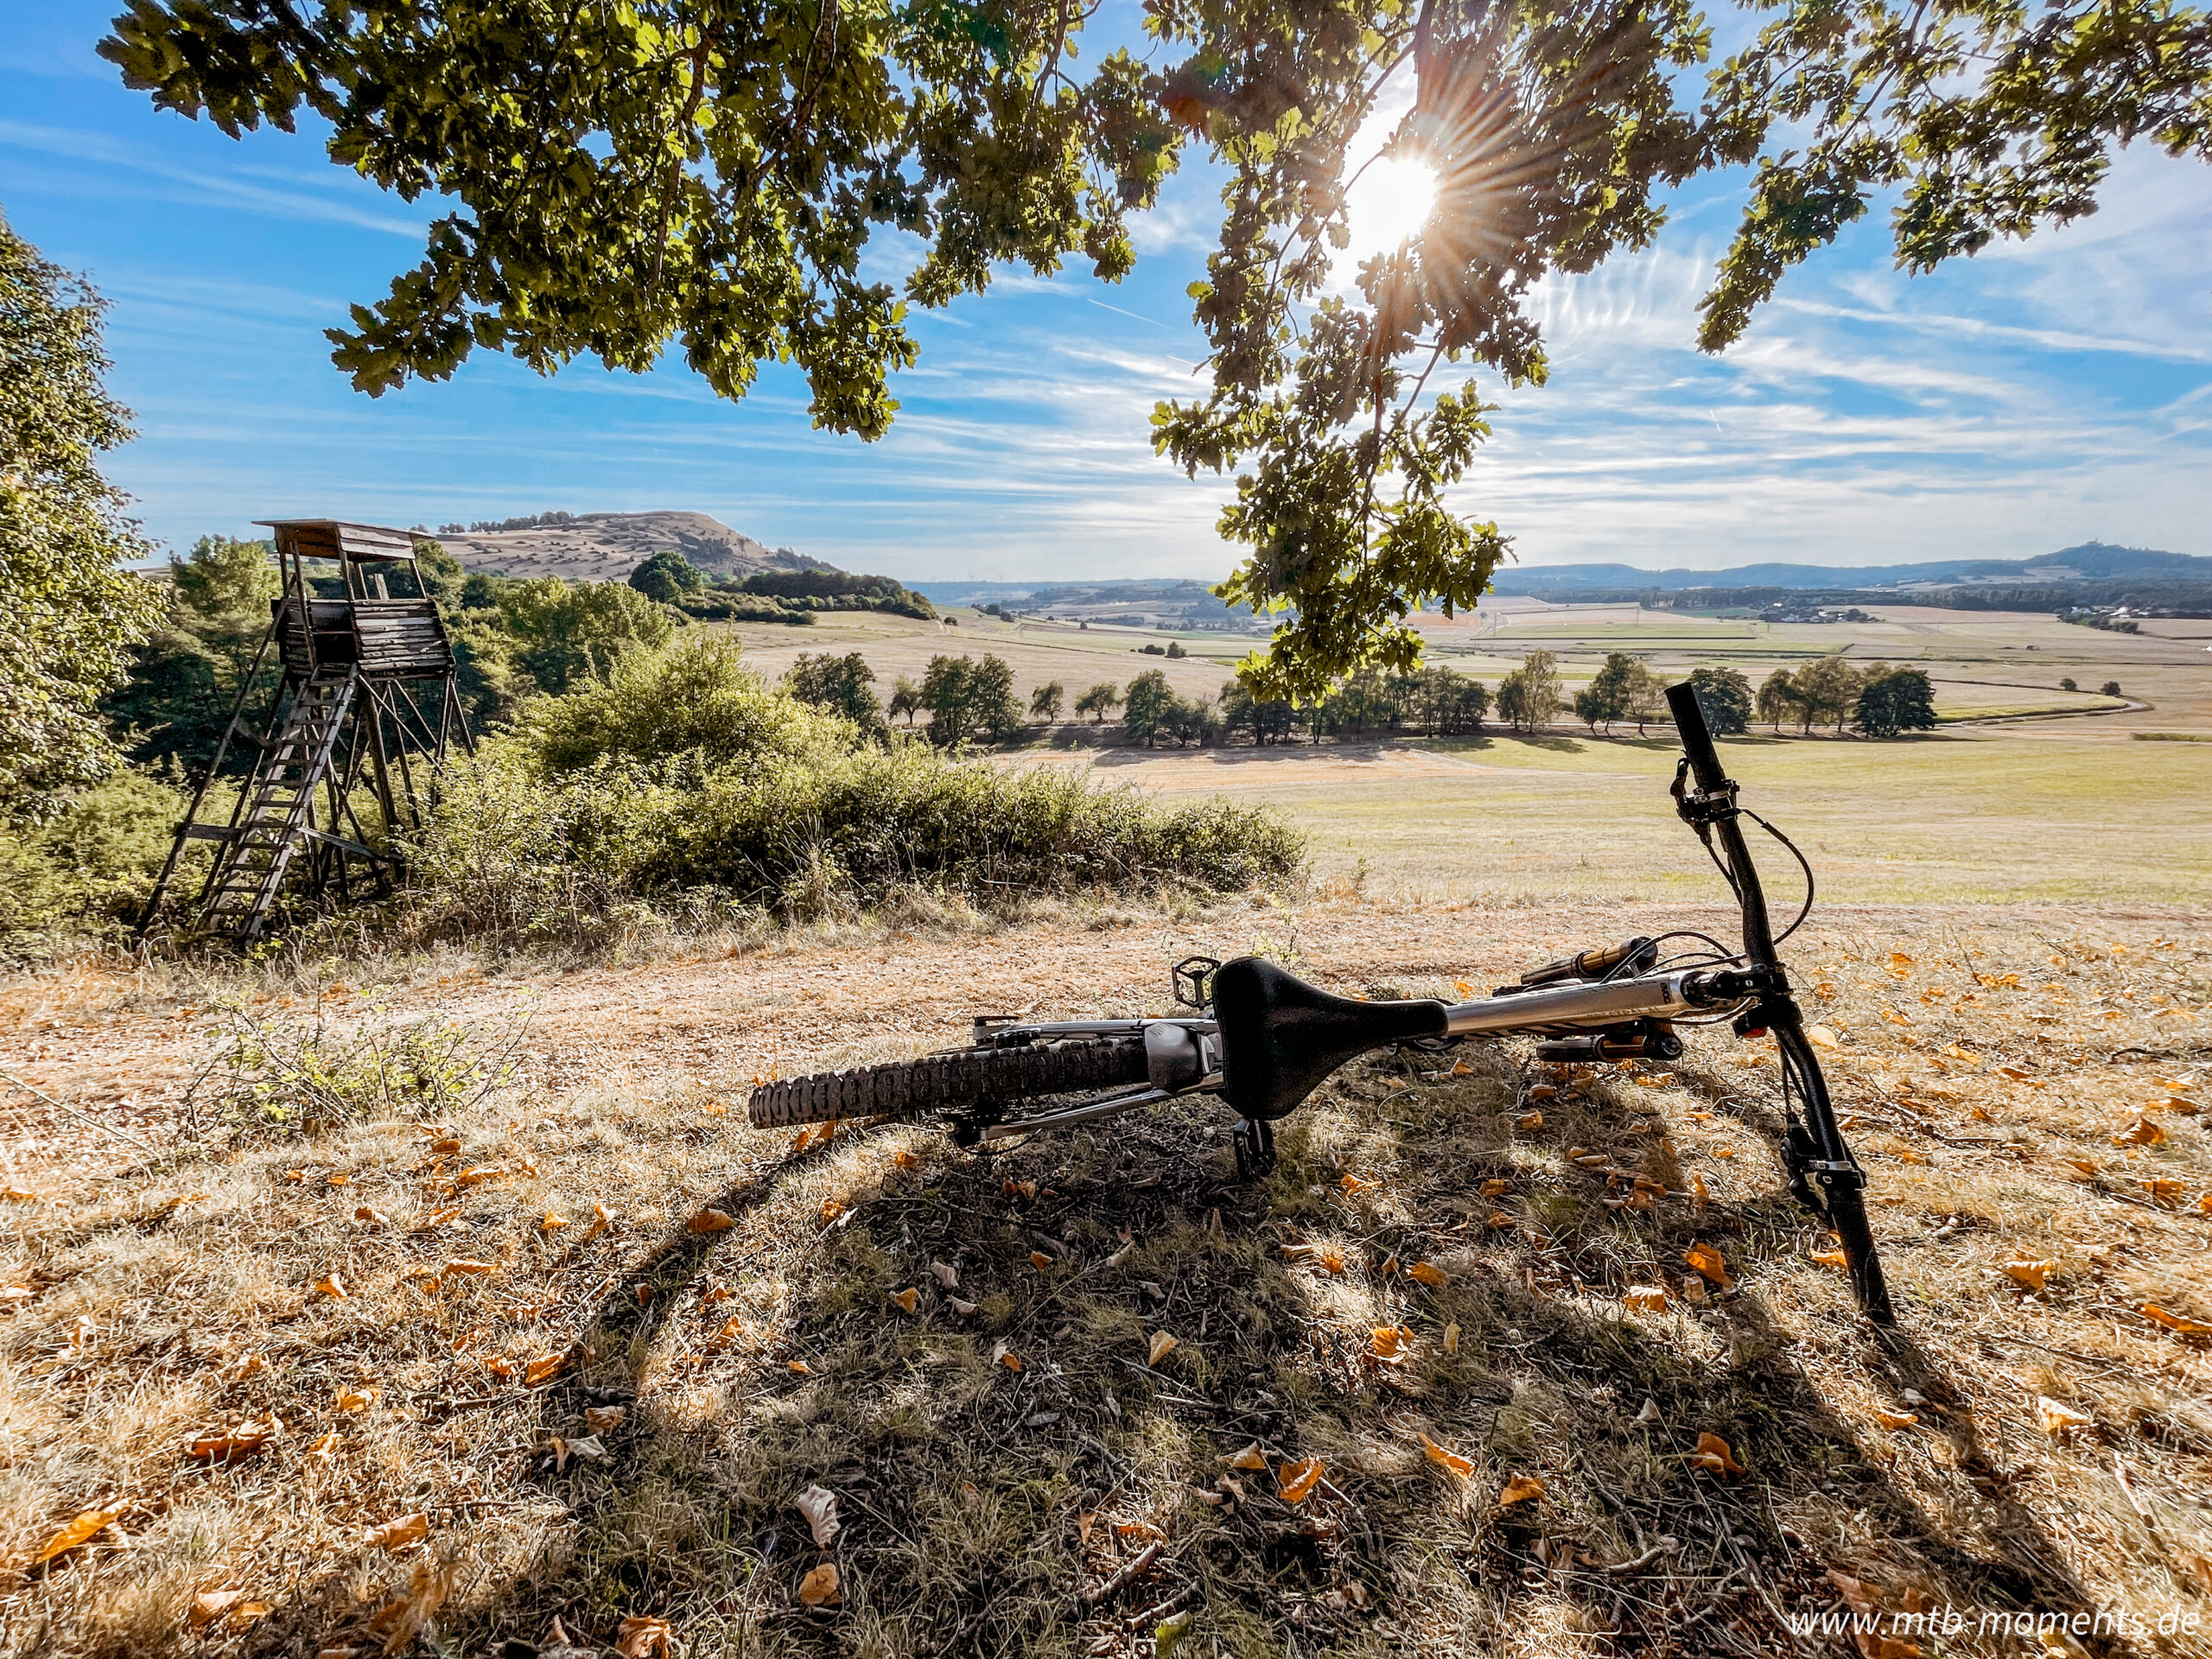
x=907 y=1159
x=1160 y=1346
x=1389 y=1341
x=831 y=1209
x=2179 y=1325
x=427 y=1591
x=798 y=1366
x=1294 y=1481
x=602 y=1420
x=963 y=1309
x=1889 y=1419
x=396 y=1535
x=1646 y=1298
x=2086 y=1165
x=232 y=1443
x=543 y=1369
x=322 y=1445
x=1499 y=1220
x=355 y=1399
x=1821 y=1037
x=1040 y=1260
x=482 y=1172
x=2143 y=1134
x=332 y=1287
x=949 y=1277
x=1835 y=1259
x=640 y=1636
x=819 y=1505
x=1495 y=1188
x=819 y=1587
x=1520 y=1490
x=2165 y=1193
x=1002 y=1354
x=81 y=1527
x=1331 y=1258
x=1714 y=1453
x=1451 y=1338
x=444 y=1146
x=1250 y=1457
x=587 y=1446
x=1353 y=1184
x=2056 y=1418
x=710 y=1220
x=211 y=1604
x=1529 y=1120
x=908 y=1300
x=1900 y=964
x=466 y=1265
x=1462 y=1467
x=1019 y=1189
x=1709 y=1264
x=1429 y=1274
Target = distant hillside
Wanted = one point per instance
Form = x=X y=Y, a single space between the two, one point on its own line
x=1122 y=604
x=608 y=546
x=2092 y=561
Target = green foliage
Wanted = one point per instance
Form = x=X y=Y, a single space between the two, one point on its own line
x=618 y=178
x=1610 y=695
x=2110 y=689
x=965 y=696
x=1046 y=700
x=300 y=1078
x=1102 y=700
x=686 y=785
x=906 y=699
x=86 y=865
x=1724 y=696
x=840 y=590
x=1529 y=697
x=1146 y=706
x=839 y=684
x=69 y=614
x=1827 y=690
x=668 y=577
x=564 y=635
x=1777 y=697
x=1893 y=701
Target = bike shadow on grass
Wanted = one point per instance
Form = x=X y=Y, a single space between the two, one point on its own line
x=985 y=1507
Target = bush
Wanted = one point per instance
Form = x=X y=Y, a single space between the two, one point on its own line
x=88 y=869
x=686 y=784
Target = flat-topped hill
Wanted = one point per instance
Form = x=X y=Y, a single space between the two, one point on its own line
x=608 y=546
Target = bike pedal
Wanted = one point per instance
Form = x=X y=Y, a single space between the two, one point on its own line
x=1253 y=1140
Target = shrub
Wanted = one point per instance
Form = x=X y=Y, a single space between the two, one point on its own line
x=685 y=783
x=88 y=868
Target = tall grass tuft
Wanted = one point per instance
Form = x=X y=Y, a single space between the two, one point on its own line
x=686 y=785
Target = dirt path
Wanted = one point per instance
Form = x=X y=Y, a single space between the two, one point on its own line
x=119 y=1055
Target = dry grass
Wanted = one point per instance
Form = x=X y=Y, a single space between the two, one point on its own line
x=176 y=1298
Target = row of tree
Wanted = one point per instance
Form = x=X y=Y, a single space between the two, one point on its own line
x=1882 y=701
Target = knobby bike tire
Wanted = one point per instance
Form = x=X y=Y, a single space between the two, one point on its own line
x=914 y=1089
x=1846 y=1213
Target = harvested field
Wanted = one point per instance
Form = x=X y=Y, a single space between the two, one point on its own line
x=555 y=1362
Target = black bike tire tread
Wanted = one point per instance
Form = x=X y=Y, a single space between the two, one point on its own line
x=909 y=1090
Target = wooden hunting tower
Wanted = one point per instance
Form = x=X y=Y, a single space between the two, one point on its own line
x=361 y=718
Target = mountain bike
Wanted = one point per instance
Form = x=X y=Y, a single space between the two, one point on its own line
x=1263 y=1040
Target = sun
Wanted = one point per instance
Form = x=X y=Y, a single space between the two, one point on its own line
x=1391 y=201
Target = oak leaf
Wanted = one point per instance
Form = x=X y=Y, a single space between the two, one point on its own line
x=543 y=1368
x=1529 y=1120
x=1646 y=1298
x=1295 y=1481
x=1389 y=1341
x=1462 y=1467
x=1714 y=1453
x=602 y=1420
x=2028 y=1275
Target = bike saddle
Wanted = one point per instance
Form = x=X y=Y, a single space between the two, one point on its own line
x=1280 y=1038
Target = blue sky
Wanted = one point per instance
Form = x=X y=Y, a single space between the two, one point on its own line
x=2043 y=394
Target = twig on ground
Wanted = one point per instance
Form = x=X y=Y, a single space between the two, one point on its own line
x=1120 y=1580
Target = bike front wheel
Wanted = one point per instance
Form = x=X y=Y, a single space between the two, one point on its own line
x=911 y=1089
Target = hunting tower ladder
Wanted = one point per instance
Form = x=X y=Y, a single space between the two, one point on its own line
x=367 y=700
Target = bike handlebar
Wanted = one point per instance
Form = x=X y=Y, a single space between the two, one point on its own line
x=1697 y=737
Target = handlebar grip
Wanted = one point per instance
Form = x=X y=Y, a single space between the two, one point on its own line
x=1697 y=739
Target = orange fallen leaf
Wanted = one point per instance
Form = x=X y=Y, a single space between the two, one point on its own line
x=710 y=1220
x=799 y=1367
x=82 y=1528
x=908 y=1300
x=482 y=1172
x=1040 y=1260
x=819 y=1587
x=322 y=1445
x=1889 y=1419
x=2086 y=1165
x=1494 y=1188
x=1429 y=1274
x=599 y=1419
x=1714 y=1453
x=2166 y=1194
x=831 y=1209
x=1331 y=1258
x=209 y=1605
x=332 y=1286
x=907 y=1159
x=1529 y=1120
x=2143 y=1134
x=1019 y=1189
x=639 y=1637
x=230 y=1443
x=1389 y=1341
x=464 y=1265
x=1821 y=1037
x=1835 y=1259
x=1499 y=1220
x=444 y=1146
x=543 y=1369
x=396 y=1535
x=1646 y=1298
x=1520 y=1490
x=398 y=1622
x=2029 y=1275
x=2178 y=1323
x=1462 y=1467
x=1709 y=1265
x=1250 y=1457
x=355 y=1399
x=1353 y=1184
x=1294 y=1481
x=1003 y=1355
x=1160 y=1346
